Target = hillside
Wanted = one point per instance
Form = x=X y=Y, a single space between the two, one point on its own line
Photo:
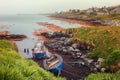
x=109 y=16
x=105 y=39
x=93 y=12
x=15 y=67
x=107 y=46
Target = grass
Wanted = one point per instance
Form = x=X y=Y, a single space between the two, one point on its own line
x=104 y=76
x=15 y=67
x=107 y=46
x=7 y=44
x=106 y=17
x=105 y=39
x=89 y=16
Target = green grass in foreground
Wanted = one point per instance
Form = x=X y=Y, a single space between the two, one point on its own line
x=106 y=40
x=104 y=76
x=15 y=67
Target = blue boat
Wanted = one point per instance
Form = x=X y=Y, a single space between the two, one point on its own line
x=53 y=64
x=39 y=50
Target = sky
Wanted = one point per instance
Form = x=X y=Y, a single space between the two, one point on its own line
x=50 y=6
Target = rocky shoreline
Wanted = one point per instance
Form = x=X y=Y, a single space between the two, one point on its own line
x=13 y=37
x=84 y=22
x=89 y=21
x=76 y=55
x=48 y=28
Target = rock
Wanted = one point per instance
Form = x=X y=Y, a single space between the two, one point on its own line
x=77 y=56
x=100 y=60
x=97 y=66
x=64 y=51
x=83 y=56
x=102 y=69
x=79 y=53
x=59 y=49
x=83 y=63
x=95 y=69
x=67 y=43
x=74 y=45
x=76 y=50
x=89 y=61
x=61 y=42
x=63 y=38
x=71 y=49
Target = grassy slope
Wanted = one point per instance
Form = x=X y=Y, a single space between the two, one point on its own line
x=15 y=67
x=107 y=46
x=104 y=76
x=106 y=17
x=106 y=39
x=85 y=15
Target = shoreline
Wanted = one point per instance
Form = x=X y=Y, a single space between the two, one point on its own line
x=49 y=28
x=55 y=28
x=85 y=23
x=12 y=37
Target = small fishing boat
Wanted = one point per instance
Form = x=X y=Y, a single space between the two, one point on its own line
x=39 y=50
x=53 y=64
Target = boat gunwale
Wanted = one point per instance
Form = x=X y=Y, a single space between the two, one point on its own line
x=49 y=68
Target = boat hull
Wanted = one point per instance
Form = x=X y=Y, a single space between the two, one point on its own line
x=38 y=55
x=57 y=69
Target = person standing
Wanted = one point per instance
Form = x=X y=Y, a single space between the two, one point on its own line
x=24 y=50
x=27 y=50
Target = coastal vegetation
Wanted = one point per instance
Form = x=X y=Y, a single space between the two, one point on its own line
x=105 y=39
x=104 y=76
x=109 y=16
x=14 y=67
x=104 y=13
x=107 y=46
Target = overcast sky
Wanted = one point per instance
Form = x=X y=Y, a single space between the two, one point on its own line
x=47 y=6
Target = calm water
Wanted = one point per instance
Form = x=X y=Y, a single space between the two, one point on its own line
x=26 y=24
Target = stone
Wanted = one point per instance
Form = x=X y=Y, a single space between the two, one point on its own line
x=95 y=69
x=63 y=38
x=102 y=69
x=71 y=49
x=97 y=66
x=79 y=53
x=83 y=56
x=76 y=50
x=64 y=51
x=59 y=49
x=100 y=59
x=74 y=45
x=83 y=63
x=89 y=61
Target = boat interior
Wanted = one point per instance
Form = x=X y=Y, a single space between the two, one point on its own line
x=53 y=61
x=38 y=48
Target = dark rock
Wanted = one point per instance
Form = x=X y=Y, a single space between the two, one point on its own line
x=64 y=51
